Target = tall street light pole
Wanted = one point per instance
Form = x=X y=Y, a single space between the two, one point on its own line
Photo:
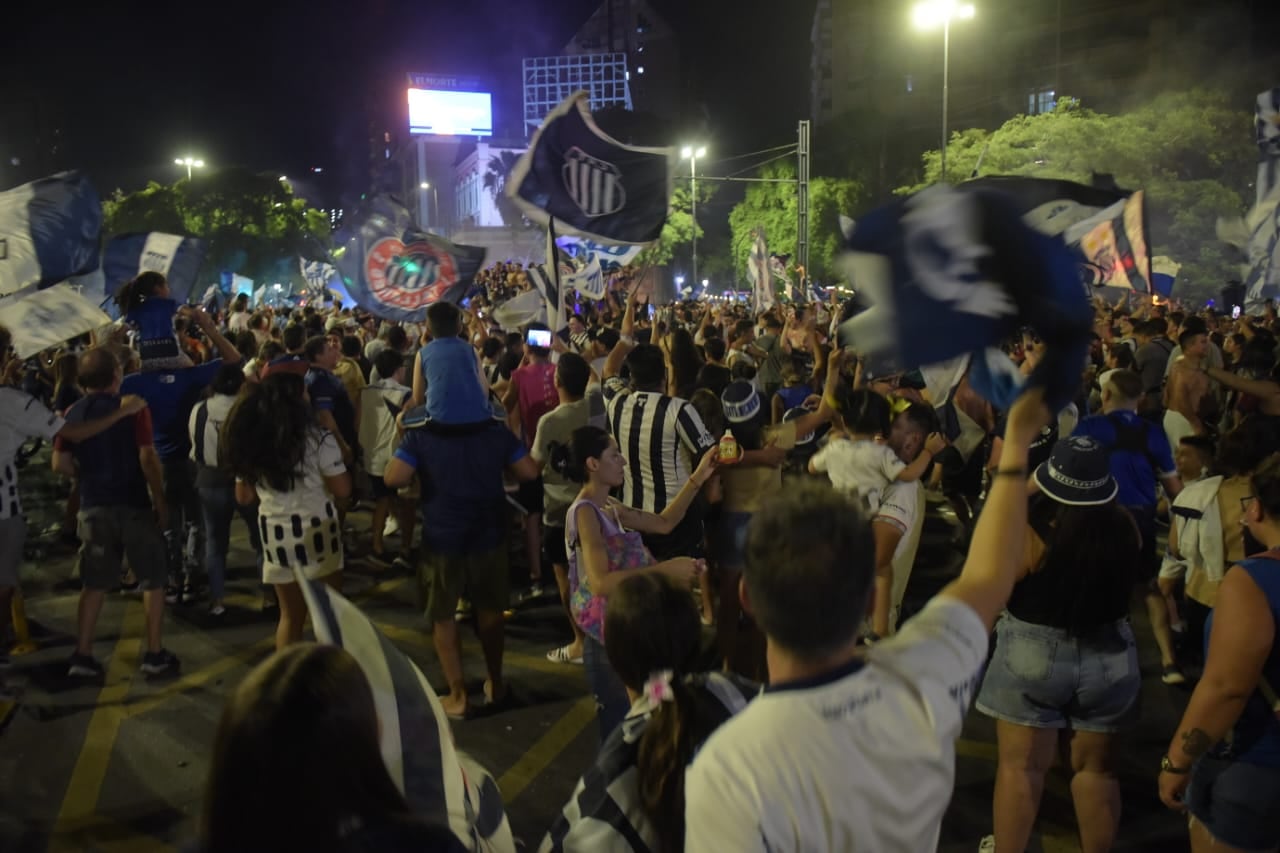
x=692 y=154
x=189 y=162
x=435 y=204
x=928 y=15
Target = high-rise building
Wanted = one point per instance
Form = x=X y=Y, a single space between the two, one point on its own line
x=548 y=80
x=634 y=28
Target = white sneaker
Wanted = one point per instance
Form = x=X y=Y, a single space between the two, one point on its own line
x=392 y=526
x=988 y=845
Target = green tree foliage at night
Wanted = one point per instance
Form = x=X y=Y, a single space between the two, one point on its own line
x=773 y=206
x=1192 y=152
x=678 y=231
x=253 y=223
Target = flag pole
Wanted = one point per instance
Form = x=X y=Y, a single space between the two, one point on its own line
x=553 y=263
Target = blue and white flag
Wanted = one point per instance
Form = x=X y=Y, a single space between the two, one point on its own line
x=440 y=783
x=955 y=270
x=760 y=273
x=589 y=281
x=1267 y=122
x=49 y=231
x=1164 y=273
x=46 y=318
x=393 y=270
x=610 y=257
x=592 y=185
x=175 y=257
x=1262 y=272
x=1105 y=227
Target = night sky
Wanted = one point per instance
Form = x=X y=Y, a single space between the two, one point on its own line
x=288 y=85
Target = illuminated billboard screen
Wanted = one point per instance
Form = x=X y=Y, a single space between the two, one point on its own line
x=443 y=113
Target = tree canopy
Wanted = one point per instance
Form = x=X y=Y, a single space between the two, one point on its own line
x=253 y=223
x=774 y=207
x=1192 y=152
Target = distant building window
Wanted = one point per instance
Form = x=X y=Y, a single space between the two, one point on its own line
x=1041 y=101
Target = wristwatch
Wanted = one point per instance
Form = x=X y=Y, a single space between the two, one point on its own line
x=1167 y=766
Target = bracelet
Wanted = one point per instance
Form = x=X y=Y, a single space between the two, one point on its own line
x=1009 y=472
x=627 y=339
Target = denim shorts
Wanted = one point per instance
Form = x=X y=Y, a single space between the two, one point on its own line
x=1236 y=802
x=1047 y=678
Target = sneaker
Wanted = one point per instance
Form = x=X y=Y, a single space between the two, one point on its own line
x=163 y=662
x=1172 y=675
x=217 y=610
x=172 y=594
x=84 y=666
x=383 y=560
x=402 y=564
x=988 y=845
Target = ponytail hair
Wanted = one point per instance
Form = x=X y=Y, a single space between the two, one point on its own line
x=653 y=638
x=569 y=460
x=139 y=289
x=867 y=413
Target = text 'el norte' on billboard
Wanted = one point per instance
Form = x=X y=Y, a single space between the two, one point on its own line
x=449 y=105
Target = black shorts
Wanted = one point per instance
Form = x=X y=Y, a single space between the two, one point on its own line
x=380 y=489
x=553 y=550
x=1149 y=558
x=530 y=496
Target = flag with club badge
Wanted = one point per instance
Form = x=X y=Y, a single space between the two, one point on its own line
x=439 y=782
x=49 y=231
x=592 y=185
x=956 y=270
x=1105 y=226
x=175 y=257
x=395 y=271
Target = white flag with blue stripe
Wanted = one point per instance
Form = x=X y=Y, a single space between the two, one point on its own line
x=48 y=317
x=589 y=281
x=49 y=231
x=175 y=257
x=439 y=782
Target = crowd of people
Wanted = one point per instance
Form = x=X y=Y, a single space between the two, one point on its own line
x=688 y=470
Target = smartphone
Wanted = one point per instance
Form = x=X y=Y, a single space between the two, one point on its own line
x=540 y=338
x=1235 y=313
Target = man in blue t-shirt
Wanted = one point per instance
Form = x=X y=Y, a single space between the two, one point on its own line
x=334 y=410
x=465 y=518
x=1140 y=457
x=170 y=395
x=122 y=508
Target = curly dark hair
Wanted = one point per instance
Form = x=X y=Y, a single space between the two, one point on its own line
x=267 y=432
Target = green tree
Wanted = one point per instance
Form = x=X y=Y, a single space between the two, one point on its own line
x=678 y=230
x=253 y=223
x=1190 y=151
x=774 y=207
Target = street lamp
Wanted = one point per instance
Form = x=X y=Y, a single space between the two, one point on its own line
x=692 y=154
x=190 y=163
x=928 y=15
x=435 y=203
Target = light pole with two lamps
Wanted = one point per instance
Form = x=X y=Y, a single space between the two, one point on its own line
x=692 y=154
x=928 y=15
x=190 y=163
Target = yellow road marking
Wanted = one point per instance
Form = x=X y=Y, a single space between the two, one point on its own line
x=544 y=751
x=105 y=834
x=85 y=785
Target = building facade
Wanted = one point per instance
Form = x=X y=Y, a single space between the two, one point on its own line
x=475 y=204
x=548 y=80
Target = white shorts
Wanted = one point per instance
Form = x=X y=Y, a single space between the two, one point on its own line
x=1177 y=427
x=311 y=545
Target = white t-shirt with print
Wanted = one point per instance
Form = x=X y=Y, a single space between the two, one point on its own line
x=861 y=467
x=21 y=417
x=308 y=496
x=861 y=762
x=902 y=505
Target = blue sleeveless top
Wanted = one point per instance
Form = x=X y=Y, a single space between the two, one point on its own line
x=1255 y=738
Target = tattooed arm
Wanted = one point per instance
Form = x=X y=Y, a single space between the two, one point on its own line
x=1243 y=631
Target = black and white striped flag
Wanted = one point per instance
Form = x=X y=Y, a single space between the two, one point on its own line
x=590 y=184
x=439 y=782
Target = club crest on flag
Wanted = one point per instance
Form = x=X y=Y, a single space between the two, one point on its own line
x=594 y=185
x=409 y=277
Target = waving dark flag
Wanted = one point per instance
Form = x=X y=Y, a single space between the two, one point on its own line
x=1105 y=226
x=393 y=270
x=955 y=270
x=174 y=256
x=592 y=185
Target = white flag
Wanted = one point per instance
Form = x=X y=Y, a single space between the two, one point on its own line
x=589 y=281
x=48 y=317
